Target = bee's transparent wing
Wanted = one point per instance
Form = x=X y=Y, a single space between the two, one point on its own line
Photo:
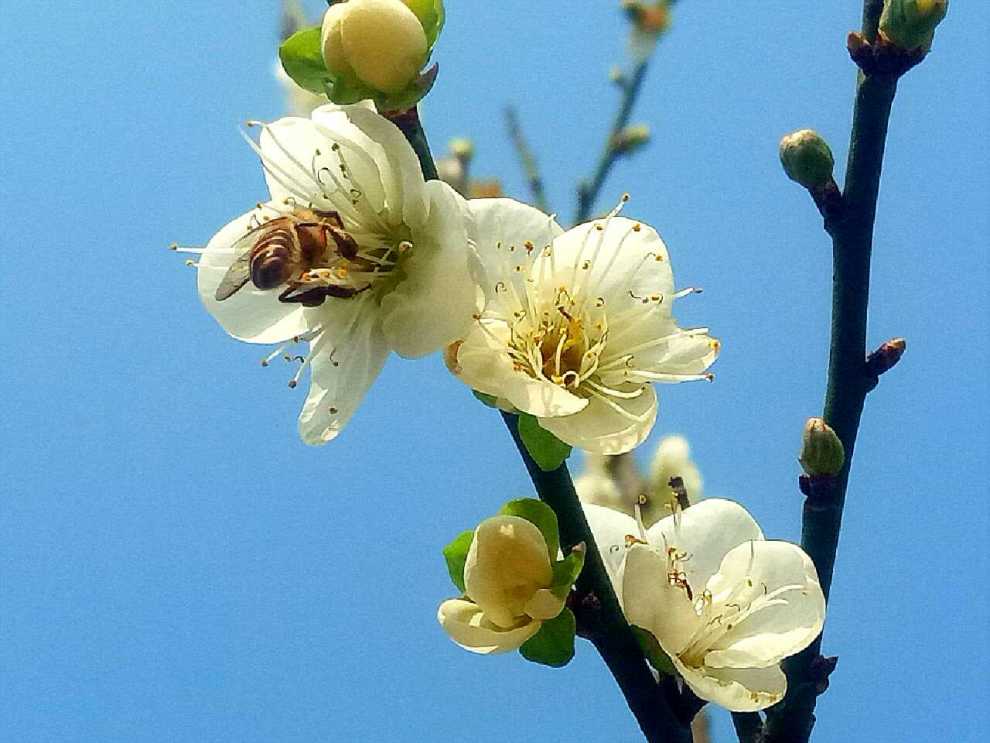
x=239 y=272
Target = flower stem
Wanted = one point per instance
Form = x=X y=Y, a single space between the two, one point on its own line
x=849 y=380
x=527 y=160
x=409 y=124
x=612 y=636
x=588 y=191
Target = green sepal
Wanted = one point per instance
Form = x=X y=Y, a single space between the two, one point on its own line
x=566 y=571
x=485 y=399
x=553 y=645
x=411 y=95
x=541 y=516
x=302 y=59
x=653 y=652
x=456 y=554
x=547 y=450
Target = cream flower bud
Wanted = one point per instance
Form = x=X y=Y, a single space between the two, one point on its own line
x=508 y=582
x=910 y=24
x=806 y=158
x=821 y=451
x=381 y=43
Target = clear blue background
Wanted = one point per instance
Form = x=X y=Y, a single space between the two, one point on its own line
x=177 y=566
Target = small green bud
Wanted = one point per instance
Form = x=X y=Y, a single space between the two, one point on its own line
x=806 y=158
x=910 y=24
x=821 y=451
x=631 y=138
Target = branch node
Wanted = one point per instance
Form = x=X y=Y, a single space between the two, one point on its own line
x=820 y=490
x=821 y=668
x=831 y=205
x=881 y=58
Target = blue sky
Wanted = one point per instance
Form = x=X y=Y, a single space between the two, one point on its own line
x=178 y=566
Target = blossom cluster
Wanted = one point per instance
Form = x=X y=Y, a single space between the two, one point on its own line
x=356 y=254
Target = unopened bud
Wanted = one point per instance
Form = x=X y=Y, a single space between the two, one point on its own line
x=807 y=158
x=377 y=43
x=631 y=138
x=886 y=356
x=821 y=451
x=910 y=24
x=651 y=18
x=462 y=148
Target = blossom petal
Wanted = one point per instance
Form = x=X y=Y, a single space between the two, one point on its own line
x=651 y=602
x=507 y=564
x=610 y=529
x=434 y=303
x=251 y=314
x=602 y=429
x=666 y=354
x=504 y=230
x=736 y=689
x=778 y=584
x=468 y=626
x=485 y=365
x=624 y=262
x=706 y=531
x=347 y=358
x=308 y=163
x=401 y=175
x=544 y=604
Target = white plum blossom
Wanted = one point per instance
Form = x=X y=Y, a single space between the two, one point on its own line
x=508 y=579
x=393 y=270
x=577 y=324
x=724 y=603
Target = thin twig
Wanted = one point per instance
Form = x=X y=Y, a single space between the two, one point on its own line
x=527 y=160
x=588 y=191
x=849 y=380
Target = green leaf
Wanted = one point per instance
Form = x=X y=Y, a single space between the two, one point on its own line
x=653 y=652
x=489 y=400
x=547 y=450
x=553 y=645
x=431 y=17
x=455 y=554
x=302 y=58
x=541 y=515
x=566 y=571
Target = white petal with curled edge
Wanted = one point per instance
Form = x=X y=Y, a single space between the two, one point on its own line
x=347 y=358
x=467 y=625
x=600 y=428
x=485 y=365
x=544 y=604
x=251 y=314
x=507 y=564
x=302 y=165
x=736 y=689
x=779 y=583
x=502 y=228
x=625 y=260
x=435 y=302
x=707 y=531
x=651 y=602
x=610 y=529
x=401 y=175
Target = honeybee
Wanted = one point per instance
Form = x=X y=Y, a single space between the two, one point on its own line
x=293 y=250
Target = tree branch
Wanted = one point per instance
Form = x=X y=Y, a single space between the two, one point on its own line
x=527 y=160
x=588 y=191
x=749 y=726
x=849 y=378
x=610 y=632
